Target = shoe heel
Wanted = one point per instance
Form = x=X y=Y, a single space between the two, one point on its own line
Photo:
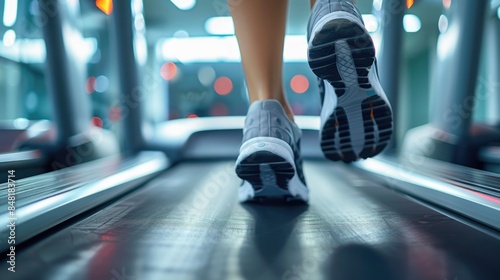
x=265 y=161
x=339 y=41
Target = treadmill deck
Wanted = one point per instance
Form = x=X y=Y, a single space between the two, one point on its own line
x=187 y=224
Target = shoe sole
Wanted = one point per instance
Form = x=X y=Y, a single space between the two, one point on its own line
x=342 y=52
x=267 y=167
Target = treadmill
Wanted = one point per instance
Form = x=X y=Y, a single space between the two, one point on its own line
x=143 y=217
x=166 y=208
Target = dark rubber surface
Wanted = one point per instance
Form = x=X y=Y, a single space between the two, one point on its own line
x=251 y=169
x=323 y=57
x=377 y=116
x=188 y=224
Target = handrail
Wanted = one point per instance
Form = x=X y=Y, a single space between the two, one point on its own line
x=480 y=204
x=46 y=200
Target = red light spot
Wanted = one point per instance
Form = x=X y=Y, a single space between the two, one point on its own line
x=446 y=4
x=299 y=84
x=297 y=109
x=192 y=116
x=219 y=109
x=115 y=114
x=90 y=85
x=106 y=6
x=96 y=121
x=223 y=85
x=168 y=71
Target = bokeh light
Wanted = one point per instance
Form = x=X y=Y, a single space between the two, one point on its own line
x=223 y=85
x=299 y=83
x=297 y=109
x=114 y=114
x=168 y=71
x=101 y=84
x=96 y=121
x=219 y=110
x=90 y=85
x=206 y=75
x=446 y=4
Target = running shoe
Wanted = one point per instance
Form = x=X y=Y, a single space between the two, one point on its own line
x=269 y=161
x=356 y=117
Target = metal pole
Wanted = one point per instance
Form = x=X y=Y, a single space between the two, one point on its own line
x=458 y=64
x=131 y=94
x=493 y=83
x=65 y=72
x=389 y=55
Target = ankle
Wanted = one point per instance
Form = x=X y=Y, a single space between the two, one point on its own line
x=287 y=108
x=289 y=113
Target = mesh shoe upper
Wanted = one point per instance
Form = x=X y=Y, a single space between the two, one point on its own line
x=267 y=118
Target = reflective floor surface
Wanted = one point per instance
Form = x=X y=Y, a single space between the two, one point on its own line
x=187 y=224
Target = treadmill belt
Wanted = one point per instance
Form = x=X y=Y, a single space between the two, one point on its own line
x=187 y=224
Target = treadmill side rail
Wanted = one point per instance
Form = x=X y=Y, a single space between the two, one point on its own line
x=46 y=200
x=476 y=202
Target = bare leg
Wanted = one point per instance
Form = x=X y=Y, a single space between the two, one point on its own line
x=260 y=29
